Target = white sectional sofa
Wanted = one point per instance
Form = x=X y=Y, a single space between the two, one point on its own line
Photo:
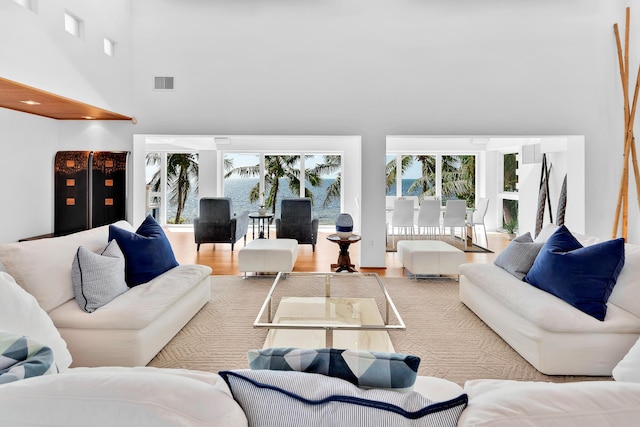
x=128 y=331
x=153 y=397
x=555 y=337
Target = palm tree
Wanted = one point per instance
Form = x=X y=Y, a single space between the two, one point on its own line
x=427 y=182
x=392 y=168
x=182 y=178
x=458 y=177
x=330 y=165
x=277 y=167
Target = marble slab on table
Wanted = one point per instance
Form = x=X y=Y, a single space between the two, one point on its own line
x=326 y=312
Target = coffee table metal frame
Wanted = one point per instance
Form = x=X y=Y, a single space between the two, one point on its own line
x=268 y=308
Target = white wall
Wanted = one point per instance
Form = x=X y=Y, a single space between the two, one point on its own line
x=364 y=67
x=376 y=68
x=28 y=144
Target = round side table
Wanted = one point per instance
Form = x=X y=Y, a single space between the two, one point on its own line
x=262 y=219
x=344 y=260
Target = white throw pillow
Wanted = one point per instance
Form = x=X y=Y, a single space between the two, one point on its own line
x=106 y=397
x=43 y=266
x=628 y=369
x=545 y=233
x=20 y=314
x=625 y=292
x=497 y=403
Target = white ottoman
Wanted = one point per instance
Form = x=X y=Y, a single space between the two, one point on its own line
x=430 y=257
x=266 y=256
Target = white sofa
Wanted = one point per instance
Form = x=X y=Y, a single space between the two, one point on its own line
x=153 y=397
x=128 y=331
x=555 y=337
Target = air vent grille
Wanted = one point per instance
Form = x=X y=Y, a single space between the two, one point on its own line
x=163 y=83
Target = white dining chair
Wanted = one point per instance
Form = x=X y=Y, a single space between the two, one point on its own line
x=455 y=216
x=429 y=217
x=402 y=218
x=477 y=218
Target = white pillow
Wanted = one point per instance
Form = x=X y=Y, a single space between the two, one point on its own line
x=121 y=397
x=545 y=233
x=625 y=292
x=497 y=403
x=628 y=369
x=43 y=266
x=20 y=314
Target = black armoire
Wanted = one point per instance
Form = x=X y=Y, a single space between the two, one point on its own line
x=90 y=189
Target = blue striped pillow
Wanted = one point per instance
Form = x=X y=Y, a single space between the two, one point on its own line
x=367 y=369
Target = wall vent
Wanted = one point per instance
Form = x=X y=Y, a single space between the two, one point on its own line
x=163 y=83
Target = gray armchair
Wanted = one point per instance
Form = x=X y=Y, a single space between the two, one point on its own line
x=297 y=221
x=218 y=224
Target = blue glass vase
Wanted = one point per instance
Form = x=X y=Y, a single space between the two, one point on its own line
x=344 y=225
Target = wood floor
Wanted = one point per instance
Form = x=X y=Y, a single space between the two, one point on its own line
x=224 y=262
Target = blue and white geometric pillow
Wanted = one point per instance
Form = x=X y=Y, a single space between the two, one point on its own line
x=366 y=369
x=22 y=357
x=290 y=398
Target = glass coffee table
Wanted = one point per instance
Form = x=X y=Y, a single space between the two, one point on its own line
x=318 y=310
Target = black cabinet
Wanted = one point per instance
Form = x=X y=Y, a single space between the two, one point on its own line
x=90 y=189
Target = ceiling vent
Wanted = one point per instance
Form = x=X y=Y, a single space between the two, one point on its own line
x=163 y=83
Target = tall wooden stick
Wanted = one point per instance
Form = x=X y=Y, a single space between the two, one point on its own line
x=628 y=128
x=629 y=140
x=621 y=65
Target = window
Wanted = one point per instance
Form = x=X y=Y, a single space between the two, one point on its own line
x=509 y=175
x=419 y=176
x=72 y=24
x=508 y=190
x=242 y=182
x=174 y=175
x=27 y=4
x=109 y=47
x=426 y=175
x=459 y=178
x=282 y=178
x=323 y=180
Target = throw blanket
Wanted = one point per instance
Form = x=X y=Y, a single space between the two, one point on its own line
x=22 y=357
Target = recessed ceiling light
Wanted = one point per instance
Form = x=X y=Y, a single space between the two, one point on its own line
x=30 y=102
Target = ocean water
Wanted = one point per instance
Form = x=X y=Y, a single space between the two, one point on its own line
x=238 y=190
x=406 y=183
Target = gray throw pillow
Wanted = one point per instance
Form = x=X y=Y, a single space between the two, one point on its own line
x=518 y=257
x=98 y=278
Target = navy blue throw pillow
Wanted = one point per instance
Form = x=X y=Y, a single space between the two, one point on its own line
x=582 y=276
x=147 y=252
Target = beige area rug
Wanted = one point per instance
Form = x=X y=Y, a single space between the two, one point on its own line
x=452 y=342
x=456 y=242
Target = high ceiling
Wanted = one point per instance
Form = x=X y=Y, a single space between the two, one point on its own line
x=19 y=97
